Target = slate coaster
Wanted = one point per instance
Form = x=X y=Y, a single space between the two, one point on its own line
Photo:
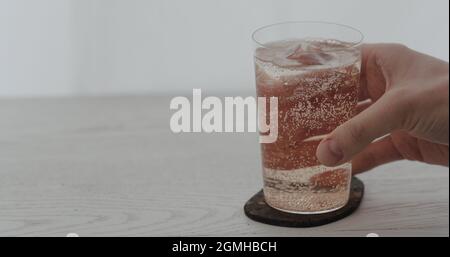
x=257 y=209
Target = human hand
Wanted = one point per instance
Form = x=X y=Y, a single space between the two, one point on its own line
x=405 y=113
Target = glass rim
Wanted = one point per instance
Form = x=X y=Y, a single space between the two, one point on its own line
x=350 y=46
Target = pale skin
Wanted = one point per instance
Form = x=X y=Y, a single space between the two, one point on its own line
x=405 y=113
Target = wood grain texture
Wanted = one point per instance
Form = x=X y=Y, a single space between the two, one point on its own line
x=112 y=167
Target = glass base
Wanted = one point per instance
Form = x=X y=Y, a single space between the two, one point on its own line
x=308 y=212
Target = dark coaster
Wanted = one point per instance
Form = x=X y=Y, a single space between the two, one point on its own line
x=257 y=209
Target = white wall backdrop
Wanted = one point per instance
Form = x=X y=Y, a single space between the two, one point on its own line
x=65 y=47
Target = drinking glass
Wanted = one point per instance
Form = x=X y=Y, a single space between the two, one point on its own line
x=313 y=69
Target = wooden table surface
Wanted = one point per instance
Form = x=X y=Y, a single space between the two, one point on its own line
x=112 y=167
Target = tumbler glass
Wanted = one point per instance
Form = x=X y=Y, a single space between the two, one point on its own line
x=313 y=69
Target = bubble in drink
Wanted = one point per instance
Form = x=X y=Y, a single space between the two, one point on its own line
x=316 y=82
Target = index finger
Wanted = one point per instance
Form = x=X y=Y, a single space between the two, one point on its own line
x=372 y=79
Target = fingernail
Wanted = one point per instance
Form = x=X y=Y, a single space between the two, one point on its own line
x=335 y=153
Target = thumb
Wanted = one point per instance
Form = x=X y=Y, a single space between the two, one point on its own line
x=382 y=117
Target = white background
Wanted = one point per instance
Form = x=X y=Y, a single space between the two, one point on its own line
x=79 y=47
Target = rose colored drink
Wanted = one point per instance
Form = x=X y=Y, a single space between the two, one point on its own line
x=316 y=82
